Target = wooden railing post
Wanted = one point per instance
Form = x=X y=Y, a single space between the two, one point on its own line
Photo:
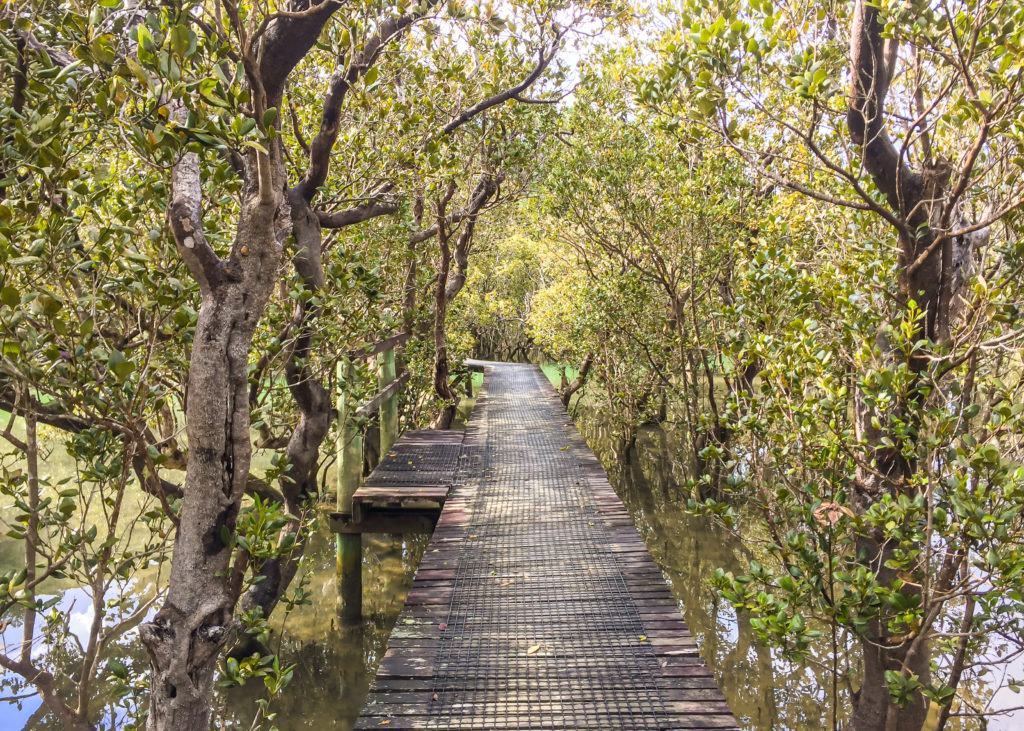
x=389 y=409
x=349 y=546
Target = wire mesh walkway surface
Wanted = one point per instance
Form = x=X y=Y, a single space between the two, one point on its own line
x=537 y=605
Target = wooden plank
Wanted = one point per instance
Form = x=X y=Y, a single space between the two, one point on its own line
x=398 y=495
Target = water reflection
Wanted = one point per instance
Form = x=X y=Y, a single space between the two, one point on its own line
x=766 y=691
x=335 y=661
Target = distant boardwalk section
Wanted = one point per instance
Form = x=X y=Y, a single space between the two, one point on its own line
x=537 y=605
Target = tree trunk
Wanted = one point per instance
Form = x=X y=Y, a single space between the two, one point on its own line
x=567 y=390
x=314 y=402
x=186 y=636
x=442 y=378
x=930 y=262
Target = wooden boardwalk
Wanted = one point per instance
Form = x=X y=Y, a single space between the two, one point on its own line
x=406 y=491
x=536 y=605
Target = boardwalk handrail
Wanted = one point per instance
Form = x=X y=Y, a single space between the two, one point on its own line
x=384 y=344
x=349 y=446
x=370 y=407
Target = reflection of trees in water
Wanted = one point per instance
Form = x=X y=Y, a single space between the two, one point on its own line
x=335 y=661
x=61 y=655
x=764 y=689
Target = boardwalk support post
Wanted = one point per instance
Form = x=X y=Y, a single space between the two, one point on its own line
x=349 y=546
x=389 y=409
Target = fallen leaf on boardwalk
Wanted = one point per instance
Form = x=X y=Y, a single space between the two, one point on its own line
x=392 y=454
x=643 y=638
x=507 y=583
x=472 y=537
x=534 y=650
x=443 y=626
x=435 y=696
x=385 y=722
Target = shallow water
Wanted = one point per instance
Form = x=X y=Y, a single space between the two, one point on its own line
x=334 y=662
x=765 y=691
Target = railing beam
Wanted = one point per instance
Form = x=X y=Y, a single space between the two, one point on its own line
x=389 y=343
x=371 y=406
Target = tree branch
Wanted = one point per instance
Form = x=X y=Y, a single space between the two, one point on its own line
x=357 y=214
x=543 y=60
x=341 y=81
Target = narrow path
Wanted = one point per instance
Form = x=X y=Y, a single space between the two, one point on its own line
x=537 y=605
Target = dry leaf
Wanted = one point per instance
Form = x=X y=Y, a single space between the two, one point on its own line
x=435 y=696
x=828 y=513
x=534 y=650
x=507 y=583
x=385 y=722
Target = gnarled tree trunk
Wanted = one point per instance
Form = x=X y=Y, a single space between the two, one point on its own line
x=186 y=636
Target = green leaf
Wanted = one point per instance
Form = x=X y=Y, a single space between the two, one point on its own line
x=10 y=296
x=117 y=668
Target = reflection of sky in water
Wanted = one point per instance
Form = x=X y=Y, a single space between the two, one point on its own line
x=75 y=604
x=335 y=663
x=13 y=717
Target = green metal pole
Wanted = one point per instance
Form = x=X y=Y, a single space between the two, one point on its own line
x=349 y=546
x=389 y=409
